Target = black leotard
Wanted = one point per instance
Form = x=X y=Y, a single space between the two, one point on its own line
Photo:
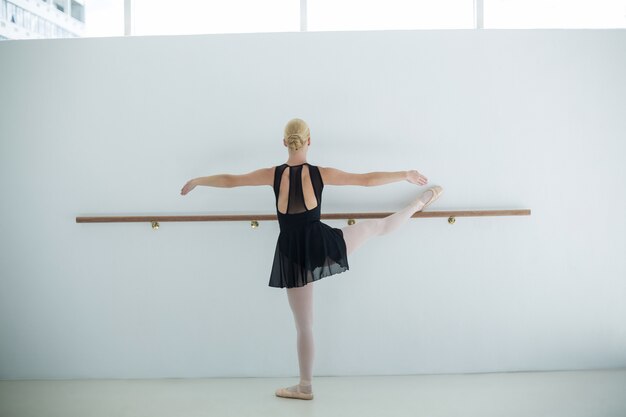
x=307 y=249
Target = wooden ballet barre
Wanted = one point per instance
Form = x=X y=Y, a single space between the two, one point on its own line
x=450 y=214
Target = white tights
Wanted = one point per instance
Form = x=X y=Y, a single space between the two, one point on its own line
x=301 y=298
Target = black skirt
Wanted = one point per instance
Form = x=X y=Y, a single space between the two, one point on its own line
x=308 y=253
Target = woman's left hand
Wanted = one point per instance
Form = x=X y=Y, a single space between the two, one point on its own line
x=414 y=177
x=188 y=187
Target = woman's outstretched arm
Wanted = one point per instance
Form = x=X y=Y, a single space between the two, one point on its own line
x=334 y=176
x=386 y=177
x=263 y=176
x=381 y=178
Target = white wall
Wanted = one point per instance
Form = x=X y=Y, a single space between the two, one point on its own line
x=500 y=118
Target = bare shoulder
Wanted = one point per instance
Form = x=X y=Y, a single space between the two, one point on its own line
x=264 y=176
x=335 y=176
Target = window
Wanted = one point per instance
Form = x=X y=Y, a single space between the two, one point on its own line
x=34 y=23
x=60 y=5
x=26 y=22
x=182 y=17
x=19 y=16
x=11 y=12
x=529 y=14
x=104 y=18
x=78 y=11
x=389 y=14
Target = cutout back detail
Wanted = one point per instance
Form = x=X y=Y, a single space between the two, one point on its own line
x=298 y=188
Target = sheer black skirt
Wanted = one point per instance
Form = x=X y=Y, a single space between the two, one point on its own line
x=308 y=253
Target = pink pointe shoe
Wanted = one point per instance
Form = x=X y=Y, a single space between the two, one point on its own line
x=437 y=191
x=284 y=392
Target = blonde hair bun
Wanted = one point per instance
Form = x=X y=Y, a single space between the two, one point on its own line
x=296 y=133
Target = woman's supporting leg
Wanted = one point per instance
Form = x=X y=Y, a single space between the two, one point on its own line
x=301 y=303
x=357 y=234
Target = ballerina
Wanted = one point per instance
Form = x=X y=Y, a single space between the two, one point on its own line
x=307 y=249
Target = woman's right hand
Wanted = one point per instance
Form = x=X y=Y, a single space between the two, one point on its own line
x=414 y=177
x=190 y=185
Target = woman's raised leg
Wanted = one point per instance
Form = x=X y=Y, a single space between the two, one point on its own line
x=357 y=234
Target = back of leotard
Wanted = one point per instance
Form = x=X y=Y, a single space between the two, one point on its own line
x=296 y=204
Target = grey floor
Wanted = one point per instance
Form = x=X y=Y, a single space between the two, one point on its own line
x=596 y=393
